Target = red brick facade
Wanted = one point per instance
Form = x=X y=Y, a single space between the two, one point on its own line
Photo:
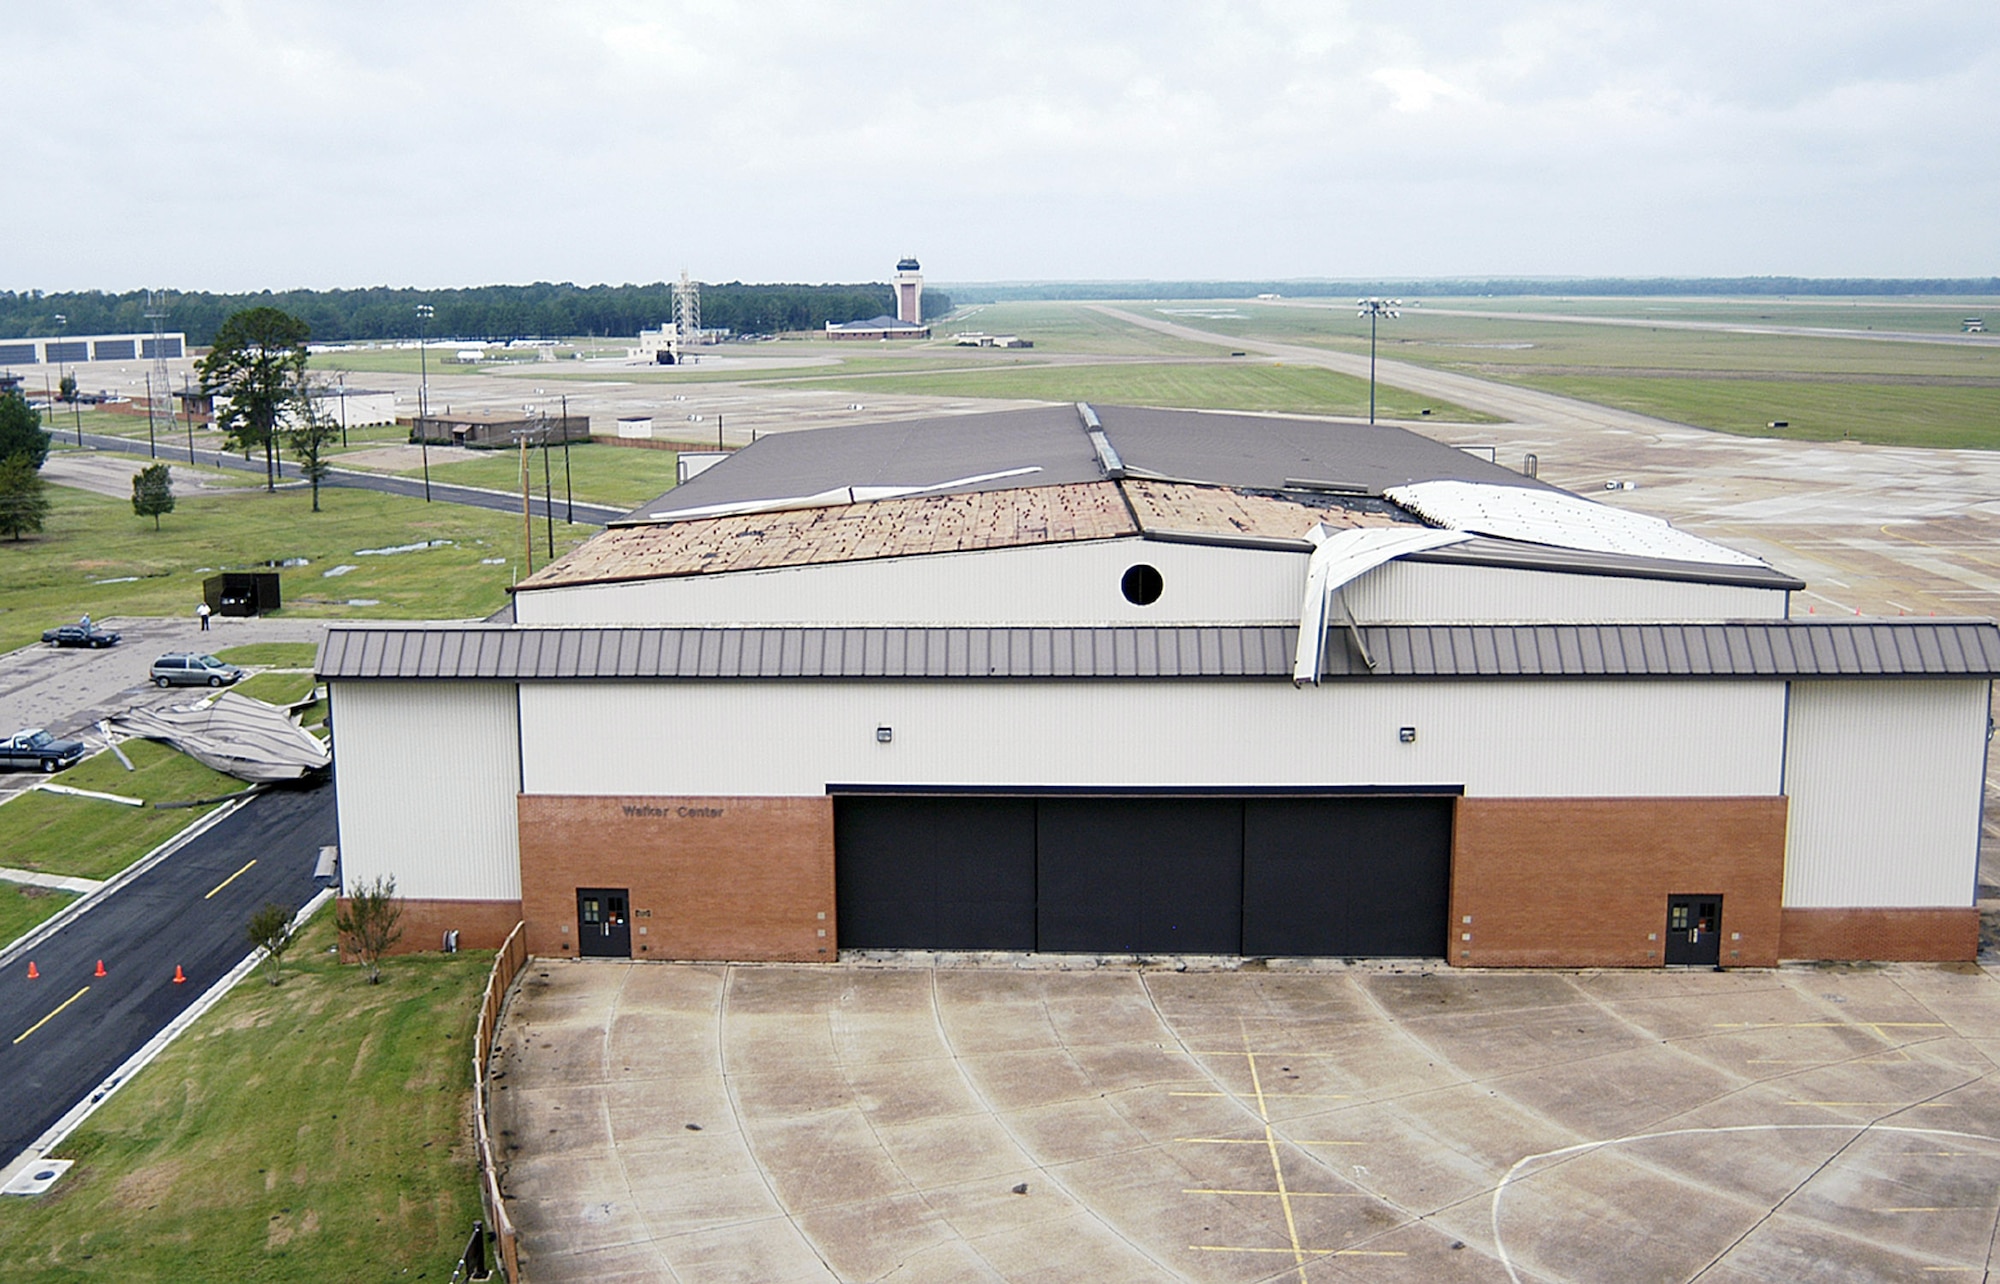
x=1881 y=935
x=481 y=925
x=710 y=878
x=1583 y=882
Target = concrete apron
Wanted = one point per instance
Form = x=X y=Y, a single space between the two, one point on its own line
x=889 y=1118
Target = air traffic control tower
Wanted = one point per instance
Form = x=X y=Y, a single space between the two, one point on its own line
x=909 y=291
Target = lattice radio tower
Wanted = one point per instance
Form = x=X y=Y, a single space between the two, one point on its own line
x=160 y=388
x=687 y=316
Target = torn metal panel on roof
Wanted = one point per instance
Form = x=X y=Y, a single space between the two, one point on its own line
x=241 y=736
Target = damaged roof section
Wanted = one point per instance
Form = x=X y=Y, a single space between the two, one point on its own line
x=845 y=533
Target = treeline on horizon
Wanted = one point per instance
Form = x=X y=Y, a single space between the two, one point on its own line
x=1465 y=287
x=539 y=311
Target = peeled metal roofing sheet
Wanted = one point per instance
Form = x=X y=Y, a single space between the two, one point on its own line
x=1558 y=519
x=1740 y=649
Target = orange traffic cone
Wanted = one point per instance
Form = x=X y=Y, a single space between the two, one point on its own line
x=33 y=971
x=180 y=977
x=100 y=969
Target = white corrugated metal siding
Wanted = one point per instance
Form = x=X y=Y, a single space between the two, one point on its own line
x=1507 y=739
x=1446 y=593
x=1885 y=784
x=426 y=774
x=1071 y=584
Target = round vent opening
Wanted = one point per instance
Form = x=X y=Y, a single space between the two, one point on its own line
x=1142 y=585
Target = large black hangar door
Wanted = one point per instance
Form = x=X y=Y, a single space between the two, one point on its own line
x=1352 y=876
x=935 y=873
x=1140 y=875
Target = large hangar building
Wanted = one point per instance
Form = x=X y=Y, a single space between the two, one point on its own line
x=1163 y=682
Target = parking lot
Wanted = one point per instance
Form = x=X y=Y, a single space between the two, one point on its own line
x=1054 y=1119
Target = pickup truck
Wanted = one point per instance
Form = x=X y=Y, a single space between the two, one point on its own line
x=37 y=750
x=78 y=635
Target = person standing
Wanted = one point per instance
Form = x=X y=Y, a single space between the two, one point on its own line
x=202 y=613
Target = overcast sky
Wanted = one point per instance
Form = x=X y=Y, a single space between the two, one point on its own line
x=266 y=143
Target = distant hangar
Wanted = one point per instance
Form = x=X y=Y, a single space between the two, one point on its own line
x=1126 y=681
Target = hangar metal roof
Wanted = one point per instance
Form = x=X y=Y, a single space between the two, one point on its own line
x=1765 y=649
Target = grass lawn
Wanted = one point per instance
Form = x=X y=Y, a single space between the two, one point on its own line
x=1885 y=414
x=318 y=1130
x=623 y=476
x=282 y=655
x=90 y=539
x=91 y=838
x=21 y=908
x=276 y=688
x=1244 y=385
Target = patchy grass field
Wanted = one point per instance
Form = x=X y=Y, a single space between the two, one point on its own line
x=22 y=908
x=91 y=838
x=280 y=655
x=625 y=476
x=91 y=540
x=1886 y=414
x=276 y=688
x=318 y=1130
x=1244 y=385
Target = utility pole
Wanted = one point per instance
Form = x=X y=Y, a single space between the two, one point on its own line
x=569 y=496
x=1374 y=310
x=527 y=519
x=187 y=416
x=548 y=498
x=62 y=375
x=424 y=311
x=152 y=441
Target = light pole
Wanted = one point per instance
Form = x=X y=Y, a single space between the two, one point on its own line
x=424 y=311
x=569 y=496
x=1375 y=310
x=62 y=374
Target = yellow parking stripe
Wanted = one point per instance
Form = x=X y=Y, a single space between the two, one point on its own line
x=232 y=878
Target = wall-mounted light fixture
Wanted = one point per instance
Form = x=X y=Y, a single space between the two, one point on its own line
x=1408 y=735
x=883 y=735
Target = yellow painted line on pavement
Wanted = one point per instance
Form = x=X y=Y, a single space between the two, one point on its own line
x=1293 y=1096
x=1829 y=1025
x=51 y=1016
x=1880 y=1105
x=232 y=878
x=1296 y=1194
x=1256 y=1141
x=1277 y=1161
x=1313 y=1252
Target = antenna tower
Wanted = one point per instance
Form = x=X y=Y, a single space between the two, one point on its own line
x=160 y=386
x=687 y=316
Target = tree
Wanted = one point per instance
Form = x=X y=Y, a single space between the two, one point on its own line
x=66 y=389
x=372 y=922
x=153 y=492
x=24 y=505
x=259 y=363
x=270 y=930
x=21 y=431
x=311 y=432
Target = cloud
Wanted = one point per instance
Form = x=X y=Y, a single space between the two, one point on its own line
x=228 y=144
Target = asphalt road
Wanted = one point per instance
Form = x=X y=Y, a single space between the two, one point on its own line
x=498 y=501
x=190 y=911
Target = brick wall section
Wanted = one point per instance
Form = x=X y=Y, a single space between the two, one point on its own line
x=1882 y=935
x=1583 y=882
x=481 y=925
x=710 y=878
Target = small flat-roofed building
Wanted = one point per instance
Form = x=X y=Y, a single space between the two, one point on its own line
x=1151 y=682
x=881 y=327
x=77 y=349
x=492 y=430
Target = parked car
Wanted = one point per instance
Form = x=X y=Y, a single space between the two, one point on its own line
x=37 y=750
x=79 y=635
x=188 y=669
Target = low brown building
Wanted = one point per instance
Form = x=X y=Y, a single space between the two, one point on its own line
x=494 y=430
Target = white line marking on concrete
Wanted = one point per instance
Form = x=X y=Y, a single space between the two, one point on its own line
x=1499 y=1241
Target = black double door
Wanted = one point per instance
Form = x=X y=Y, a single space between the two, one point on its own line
x=1694 y=930
x=1333 y=875
x=603 y=922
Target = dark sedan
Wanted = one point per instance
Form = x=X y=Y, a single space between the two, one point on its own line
x=37 y=750
x=80 y=635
